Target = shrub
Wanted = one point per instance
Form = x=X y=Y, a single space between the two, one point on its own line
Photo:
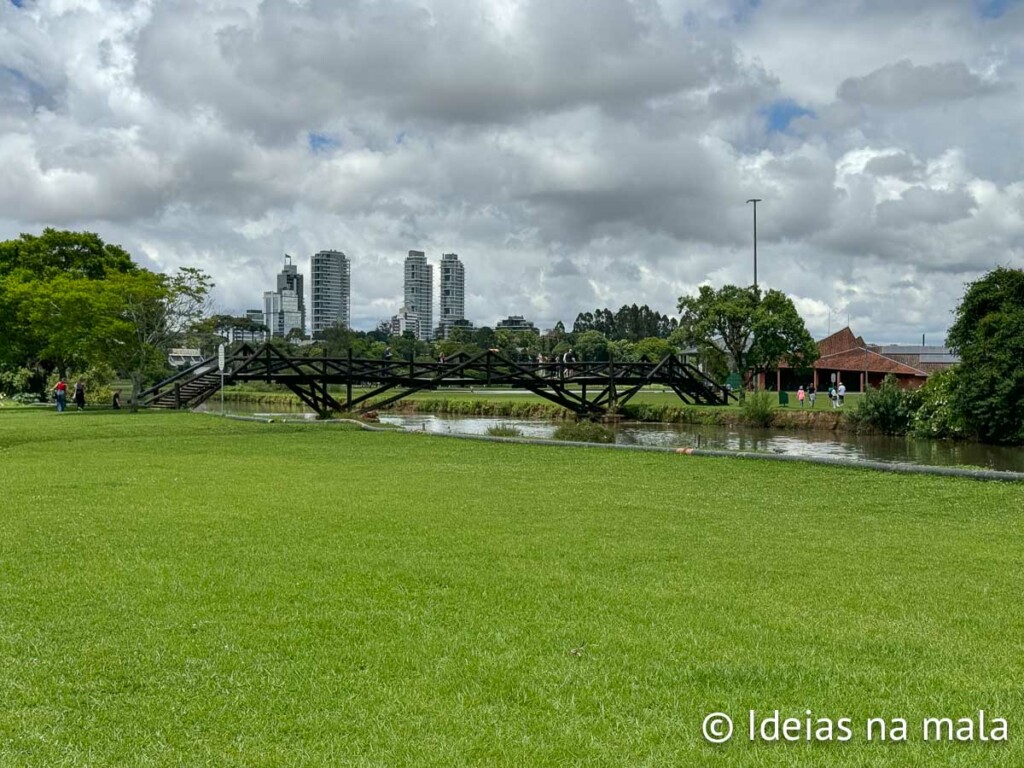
x=504 y=430
x=15 y=380
x=936 y=416
x=757 y=408
x=890 y=408
x=584 y=432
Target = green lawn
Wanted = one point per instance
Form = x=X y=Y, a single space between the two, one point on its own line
x=177 y=589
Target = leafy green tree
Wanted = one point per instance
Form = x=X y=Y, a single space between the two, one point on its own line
x=988 y=334
x=653 y=349
x=592 y=345
x=147 y=314
x=81 y=254
x=484 y=338
x=753 y=332
x=48 y=296
x=623 y=351
x=780 y=334
x=58 y=319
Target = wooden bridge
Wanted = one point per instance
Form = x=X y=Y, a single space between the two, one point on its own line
x=588 y=388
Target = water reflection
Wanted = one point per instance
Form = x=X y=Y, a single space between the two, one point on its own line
x=802 y=443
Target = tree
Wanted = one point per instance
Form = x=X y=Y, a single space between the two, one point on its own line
x=988 y=334
x=81 y=254
x=147 y=313
x=58 y=319
x=780 y=335
x=484 y=337
x=751 y=330
x=653 y=349
x=49 y=296
x=623 y=350
x=592 y=345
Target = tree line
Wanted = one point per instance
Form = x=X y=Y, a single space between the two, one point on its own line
x=71 y=303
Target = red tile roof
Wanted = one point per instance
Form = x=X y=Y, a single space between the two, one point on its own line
x=842 y=351
x=861 y=359
x=840 y=341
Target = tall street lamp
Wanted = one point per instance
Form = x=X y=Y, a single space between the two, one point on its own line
x=755 y=201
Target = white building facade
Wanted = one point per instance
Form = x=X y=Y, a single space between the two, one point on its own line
x=453 y=293
x=419 y=293
x=331 y=290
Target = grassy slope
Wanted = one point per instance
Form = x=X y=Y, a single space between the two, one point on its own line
x=178 y=589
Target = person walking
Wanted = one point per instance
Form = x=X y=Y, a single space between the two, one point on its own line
x=833 y=397
x=80 y=395
x=800 y=394
x=60 y=395
x=116 y=402
x=841 y=394
x=811 y=392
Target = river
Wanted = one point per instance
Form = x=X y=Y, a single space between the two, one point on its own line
x=734 y=438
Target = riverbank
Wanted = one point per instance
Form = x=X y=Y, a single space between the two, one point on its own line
x=648 y=407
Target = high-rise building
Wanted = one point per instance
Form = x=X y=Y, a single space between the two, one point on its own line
x=404 y=321
x=453 y=293
x=281 y=312
x=419 y=292
x=331 y=290
x=289 y=279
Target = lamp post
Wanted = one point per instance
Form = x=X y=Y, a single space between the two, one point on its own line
x=755 y=201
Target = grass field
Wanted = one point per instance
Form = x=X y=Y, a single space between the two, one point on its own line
x=178 y=589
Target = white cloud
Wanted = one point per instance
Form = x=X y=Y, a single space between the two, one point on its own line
x=574 y=154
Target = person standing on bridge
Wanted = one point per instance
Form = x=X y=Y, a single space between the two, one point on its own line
x=569 y=359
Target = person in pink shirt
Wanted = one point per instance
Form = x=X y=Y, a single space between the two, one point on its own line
x=800 y=395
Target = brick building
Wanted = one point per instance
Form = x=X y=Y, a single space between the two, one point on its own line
x=859 y=365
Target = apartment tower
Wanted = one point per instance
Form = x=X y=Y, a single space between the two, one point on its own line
x=331 y=290
x=419 y=292
x=453 y=293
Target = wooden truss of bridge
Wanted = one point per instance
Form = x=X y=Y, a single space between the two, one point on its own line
x=589 y=388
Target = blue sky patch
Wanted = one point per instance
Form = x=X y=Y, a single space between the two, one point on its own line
x=320 y=143
x=779 y=114
x=17 y=3
x=993 y=9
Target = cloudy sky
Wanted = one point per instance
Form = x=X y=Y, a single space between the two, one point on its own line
x=575 y=153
